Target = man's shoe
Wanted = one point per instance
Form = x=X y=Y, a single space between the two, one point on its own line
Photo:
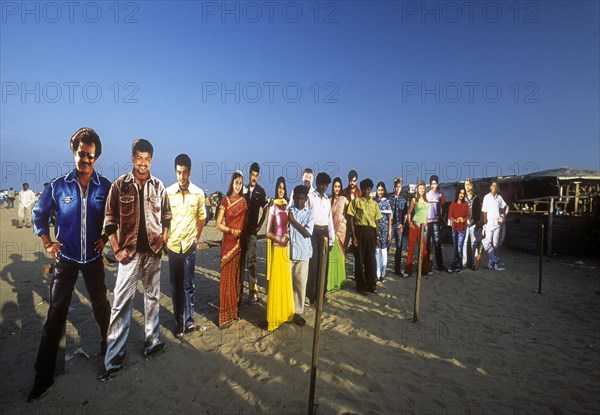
x=429 y=274
x=108 y=373
x=253 y=299
x=374 y=291
x=362 y=292
x=405 y=275
x=40 y=386
x=158 y=347
x=190 y=329
x=299 y=320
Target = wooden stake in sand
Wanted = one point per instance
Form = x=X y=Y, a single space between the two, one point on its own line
x=419 y=271
x=541 y=246
x=312 y=410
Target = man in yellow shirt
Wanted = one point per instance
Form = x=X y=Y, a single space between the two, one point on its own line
x=187 y=207
x=364 y=214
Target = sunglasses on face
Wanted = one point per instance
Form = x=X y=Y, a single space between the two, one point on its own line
x=84 y=154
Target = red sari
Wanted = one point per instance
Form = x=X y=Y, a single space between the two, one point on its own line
x=231 y=260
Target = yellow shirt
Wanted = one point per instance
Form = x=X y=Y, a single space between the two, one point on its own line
x=188 y=211
x=365 y=211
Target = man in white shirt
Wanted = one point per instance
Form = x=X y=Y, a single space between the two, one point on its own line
x=26 y=200
x=494 y=210
x=320 y=205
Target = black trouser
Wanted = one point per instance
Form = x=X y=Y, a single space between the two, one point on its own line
x=61 y=291
x=366 y=265
x=312 y=284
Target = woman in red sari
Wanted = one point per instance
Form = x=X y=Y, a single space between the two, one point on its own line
x=233 y=212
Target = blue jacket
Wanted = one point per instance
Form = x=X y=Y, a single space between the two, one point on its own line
x=79 y=222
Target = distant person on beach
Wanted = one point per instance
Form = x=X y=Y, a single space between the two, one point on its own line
x=280 y=297
x=71 y=253
x=231 y=220
x=301 y=227
x=494 y=210
x=138 y=207
x=336 y=274
x=458 y=215
x=188 y=210
x=323 y=227
x=435 y=201
x=417 y=216
x=399 y=209
x=384 y=230
x=364 y=214
x=10 y=197
x=256 y=199
x=26 y=198
x=472 y=234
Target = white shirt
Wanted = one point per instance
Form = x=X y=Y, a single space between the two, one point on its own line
x=321 y=208
x=492 y=205
x=26 y=198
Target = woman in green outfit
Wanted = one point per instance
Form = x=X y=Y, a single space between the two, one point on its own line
x=418 y=206
x=336 y=276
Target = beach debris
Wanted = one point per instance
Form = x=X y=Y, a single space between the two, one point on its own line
x=78 y=352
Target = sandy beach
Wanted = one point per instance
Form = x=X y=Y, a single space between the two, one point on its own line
x=485 y=343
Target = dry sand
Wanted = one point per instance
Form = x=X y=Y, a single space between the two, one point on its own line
x=485 y=344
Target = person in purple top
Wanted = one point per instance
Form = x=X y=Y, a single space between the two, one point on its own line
x=435 y=201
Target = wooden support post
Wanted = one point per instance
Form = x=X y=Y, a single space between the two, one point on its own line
x=541 y=255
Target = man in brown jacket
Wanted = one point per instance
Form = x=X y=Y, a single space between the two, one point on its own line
x=139 y=208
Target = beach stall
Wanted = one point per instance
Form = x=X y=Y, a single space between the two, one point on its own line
x=565 y=200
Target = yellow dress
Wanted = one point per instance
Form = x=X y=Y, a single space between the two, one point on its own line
x=280 y=299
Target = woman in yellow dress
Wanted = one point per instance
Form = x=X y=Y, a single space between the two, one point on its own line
x=280 y=299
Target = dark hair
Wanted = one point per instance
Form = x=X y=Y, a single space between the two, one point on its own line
x=323 y=178
x=300 y=190
x=366 y=183
x=458 y=189
x=308 y=170
x=255 y=167
x=351 y=174
x=234 y=176
x=382 y=184
x=434 y=177
x=281 y=179
x=143 y=146
x=420 y=183
x=183 y=160
x=87 y=136
x=336 y=180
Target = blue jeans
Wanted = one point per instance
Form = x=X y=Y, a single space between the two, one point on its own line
x=183 y=286
x=433 y=231
x=459 y=239
x=397 y=235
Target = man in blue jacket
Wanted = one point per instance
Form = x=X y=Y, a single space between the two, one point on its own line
x=78 y=199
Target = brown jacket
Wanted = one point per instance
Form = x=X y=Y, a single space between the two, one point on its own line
x=122 y=209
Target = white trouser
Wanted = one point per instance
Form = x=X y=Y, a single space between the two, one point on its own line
x=490 y=242
x=381 y=255
x=299 y=279
x=148 y=267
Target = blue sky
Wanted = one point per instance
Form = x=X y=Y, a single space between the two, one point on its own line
x=387 y=88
